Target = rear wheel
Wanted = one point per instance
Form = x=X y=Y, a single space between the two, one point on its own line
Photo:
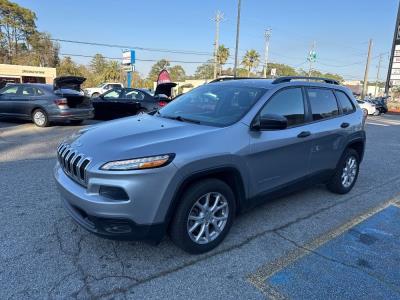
x=40 y=118
x=346 y=173
x=204 y=216
x=95 y=95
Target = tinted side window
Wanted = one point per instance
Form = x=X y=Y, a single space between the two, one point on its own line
x=345 y=102
x=288 y=103
x=323 y=103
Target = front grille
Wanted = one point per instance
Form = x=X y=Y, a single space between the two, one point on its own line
x=73 y=163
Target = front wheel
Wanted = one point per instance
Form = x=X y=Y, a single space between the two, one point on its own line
x=40 y=118
x=346 y=173
x=204 y=216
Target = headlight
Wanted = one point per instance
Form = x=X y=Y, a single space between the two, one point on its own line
x=139 y=163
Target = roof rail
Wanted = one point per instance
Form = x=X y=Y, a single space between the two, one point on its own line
x=290 y=78
x=232 y=78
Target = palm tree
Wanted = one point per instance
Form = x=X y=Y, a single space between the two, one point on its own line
x=251 y=60
x=112 y=71
x=222 y=56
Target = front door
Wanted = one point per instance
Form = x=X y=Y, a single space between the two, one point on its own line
x=7 y=100
x=281 y=156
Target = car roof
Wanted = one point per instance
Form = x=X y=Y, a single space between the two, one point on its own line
x=41 y=85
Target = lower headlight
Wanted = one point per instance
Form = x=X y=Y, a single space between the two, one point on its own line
x=139 y=163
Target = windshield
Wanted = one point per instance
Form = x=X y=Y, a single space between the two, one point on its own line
x=213 y=104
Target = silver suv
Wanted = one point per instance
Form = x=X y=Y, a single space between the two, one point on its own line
x=189 y=168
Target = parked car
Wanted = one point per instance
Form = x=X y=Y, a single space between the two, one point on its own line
x=380 y=105
x=368 y=107
x=44 y=103
x=211 y=153
x=102 y=88
x=118 y=103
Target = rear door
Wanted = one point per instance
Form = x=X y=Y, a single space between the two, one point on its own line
x=28 y=98
x=8 y=98
x=281 y=156
x=328 y=129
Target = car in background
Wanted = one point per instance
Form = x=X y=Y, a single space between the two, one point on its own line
x=45 y=103
x=368 y=107
x=102 y=88
x=380 y=105
x=123 y=102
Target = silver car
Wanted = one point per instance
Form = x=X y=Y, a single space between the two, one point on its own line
x=189 y=168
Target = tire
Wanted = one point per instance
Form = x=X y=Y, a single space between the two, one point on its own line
x=76 y=122
x=376 y=113
x=197 y=194
x=95 y=95
x=141 y=111
x=337 y=183
x=40 y=118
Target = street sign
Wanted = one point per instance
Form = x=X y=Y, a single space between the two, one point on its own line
x=273 y=72
x=312 y=56
x=129 y=68
x=128 y=57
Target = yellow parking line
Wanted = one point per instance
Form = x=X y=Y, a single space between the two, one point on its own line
x=259 y=277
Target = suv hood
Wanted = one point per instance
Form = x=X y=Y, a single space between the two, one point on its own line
x=70 y=82
x=142 y=136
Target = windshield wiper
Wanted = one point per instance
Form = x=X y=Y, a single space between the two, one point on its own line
x=181 y=119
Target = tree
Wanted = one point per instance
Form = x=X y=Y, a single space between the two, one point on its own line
x=17 y=24
x=98 y=64
x=112 y=72
x=177 y=73
x=316 y=73
x=205 y=71
x=157 y=68
x=282 y=69
x=222 y=56
x=251 y=60
x=68 y=67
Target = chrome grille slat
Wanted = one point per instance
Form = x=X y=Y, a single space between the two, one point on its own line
x=73 y=163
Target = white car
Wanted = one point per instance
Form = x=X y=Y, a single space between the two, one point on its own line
x=102 y=88
x=369 y=107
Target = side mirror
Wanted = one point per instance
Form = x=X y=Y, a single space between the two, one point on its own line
x=269 y=122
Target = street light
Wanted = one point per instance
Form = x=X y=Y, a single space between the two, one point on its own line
x=237 y=40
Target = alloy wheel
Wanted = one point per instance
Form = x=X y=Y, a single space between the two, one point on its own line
x=39 y=118
x=207 y=218
x=349 y=172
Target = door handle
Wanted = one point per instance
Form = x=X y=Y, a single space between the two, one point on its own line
x=304 y=134
x=344 y=125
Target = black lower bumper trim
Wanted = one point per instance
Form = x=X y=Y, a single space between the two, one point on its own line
x=116 y=229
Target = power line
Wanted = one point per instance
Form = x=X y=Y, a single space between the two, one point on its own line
x=134 y=47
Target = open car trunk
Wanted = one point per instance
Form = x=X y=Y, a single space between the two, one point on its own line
x=164 y=89
x=69 y=87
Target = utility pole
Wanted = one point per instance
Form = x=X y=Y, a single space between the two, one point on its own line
x=218 y=18
x=365 y=85
x=378 y=73
x=267 y=35
x=312 y=57
x=237 y=39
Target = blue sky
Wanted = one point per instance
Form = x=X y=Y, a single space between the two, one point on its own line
x=341 y=29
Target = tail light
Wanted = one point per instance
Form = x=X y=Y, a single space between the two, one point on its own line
x=61 y=103
x=162 y=103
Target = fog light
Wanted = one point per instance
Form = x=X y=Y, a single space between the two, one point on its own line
x=113 y=192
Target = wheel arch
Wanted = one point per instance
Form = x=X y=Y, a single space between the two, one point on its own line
x=359 y=146
x=230 y=175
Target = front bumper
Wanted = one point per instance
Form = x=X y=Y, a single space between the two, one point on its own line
x=140 y=217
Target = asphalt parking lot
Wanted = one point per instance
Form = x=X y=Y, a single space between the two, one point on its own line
x=45 y=255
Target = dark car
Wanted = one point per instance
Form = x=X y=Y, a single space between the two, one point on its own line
x=44 y=103
x=380 y=104
x=118 y=103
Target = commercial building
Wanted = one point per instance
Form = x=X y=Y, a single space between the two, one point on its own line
x=26 y=74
